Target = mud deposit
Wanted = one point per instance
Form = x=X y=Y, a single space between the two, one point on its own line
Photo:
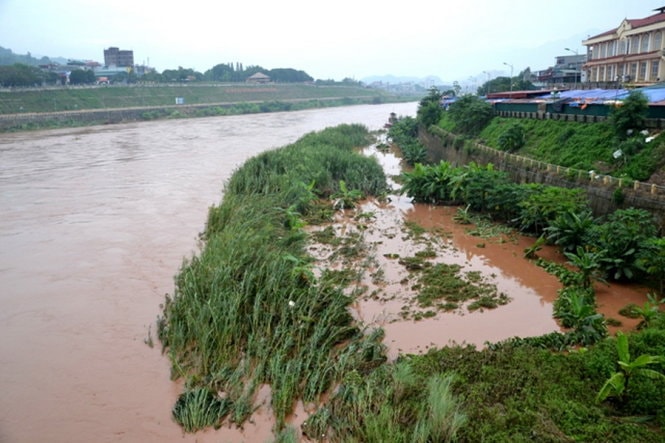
x=384 y=233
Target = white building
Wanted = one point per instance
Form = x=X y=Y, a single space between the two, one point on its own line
x=629 y=53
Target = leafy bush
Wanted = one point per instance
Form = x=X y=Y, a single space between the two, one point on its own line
x=470 y=114
x=429 y=109
x=621 y=237
x=631 y=115
x=545 y=203
x=512 y=139
x=570 y=229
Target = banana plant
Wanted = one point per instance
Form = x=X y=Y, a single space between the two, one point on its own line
x=345 y=198
x=617 y=384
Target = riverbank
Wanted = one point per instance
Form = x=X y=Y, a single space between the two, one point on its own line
x=300 y=340
x=71 y=107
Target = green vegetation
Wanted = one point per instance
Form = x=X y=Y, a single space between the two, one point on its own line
x=429 y=109
x=580 y=146
x=631 y=116
x=249 y=311
x=615 y=147
x=70 y=99
x=403 y=133
x=617 y=383
x=469 y=114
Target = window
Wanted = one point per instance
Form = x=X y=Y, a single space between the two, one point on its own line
x=643 y=71
x=645 y=43
x=633 y=71
x=623 y=43
x=611 y=48
x=657 y=41
x=610 y=73
x=655 y=65
x=634 y=44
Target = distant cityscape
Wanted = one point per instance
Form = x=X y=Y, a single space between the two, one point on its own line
x=631 y=54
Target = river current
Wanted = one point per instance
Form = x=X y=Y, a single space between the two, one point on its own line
x=95 y=224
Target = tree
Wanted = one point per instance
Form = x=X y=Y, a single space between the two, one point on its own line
x=82 y=77
x=288 y=75
x=512 y=139
x=20 y=75
x=630 y=117
x=430 y=110
x=470 y=114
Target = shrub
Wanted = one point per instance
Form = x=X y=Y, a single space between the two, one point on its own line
x=545 y=203
x=512 y=139
x=631 y=115
x=621 y=237
x=470 y=114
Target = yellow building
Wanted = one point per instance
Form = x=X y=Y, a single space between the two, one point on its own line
x=631 y=53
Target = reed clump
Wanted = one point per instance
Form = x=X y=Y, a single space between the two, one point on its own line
x=248 y=310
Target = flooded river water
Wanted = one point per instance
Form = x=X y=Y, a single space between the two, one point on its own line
x=95 y=223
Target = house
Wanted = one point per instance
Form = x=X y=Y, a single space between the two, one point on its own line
x=630 y=53
x=258 y=78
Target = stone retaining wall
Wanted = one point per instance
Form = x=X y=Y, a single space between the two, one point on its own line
x=606 y=193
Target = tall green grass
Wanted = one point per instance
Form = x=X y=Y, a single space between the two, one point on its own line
x=247 y=310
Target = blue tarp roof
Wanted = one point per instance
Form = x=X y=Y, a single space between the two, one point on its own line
x=576 y=97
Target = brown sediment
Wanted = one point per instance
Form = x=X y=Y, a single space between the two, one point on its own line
x=499 y=258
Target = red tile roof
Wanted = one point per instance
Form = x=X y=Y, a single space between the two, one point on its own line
x=636 y=23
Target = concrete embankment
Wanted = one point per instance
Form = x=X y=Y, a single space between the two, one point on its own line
x=120 y=115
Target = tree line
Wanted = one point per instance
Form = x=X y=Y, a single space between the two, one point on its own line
x=25 y=71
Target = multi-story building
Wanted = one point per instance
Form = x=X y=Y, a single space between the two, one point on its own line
x=118 y=58
x=630 y=53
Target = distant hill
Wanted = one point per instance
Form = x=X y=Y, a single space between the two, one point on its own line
x=394 y=79
x=8 y=57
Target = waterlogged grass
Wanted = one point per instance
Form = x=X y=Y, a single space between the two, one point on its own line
x=247 y=310
x=250 y=311
x=445 y=287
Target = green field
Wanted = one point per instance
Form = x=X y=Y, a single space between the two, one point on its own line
x=109 y=97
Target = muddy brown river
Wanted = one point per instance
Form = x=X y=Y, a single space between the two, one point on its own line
x=96 y=222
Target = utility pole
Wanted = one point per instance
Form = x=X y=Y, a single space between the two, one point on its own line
x=511 y=75
x=577 y=54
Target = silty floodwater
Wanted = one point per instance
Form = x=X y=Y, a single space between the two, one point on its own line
x=95 y=224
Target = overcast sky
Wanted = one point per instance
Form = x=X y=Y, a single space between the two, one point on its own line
x=455 y=40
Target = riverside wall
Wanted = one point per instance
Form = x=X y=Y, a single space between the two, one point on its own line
x=605 y=193
x=102 y=116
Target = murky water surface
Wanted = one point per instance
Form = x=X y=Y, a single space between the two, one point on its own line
x=95 y=223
